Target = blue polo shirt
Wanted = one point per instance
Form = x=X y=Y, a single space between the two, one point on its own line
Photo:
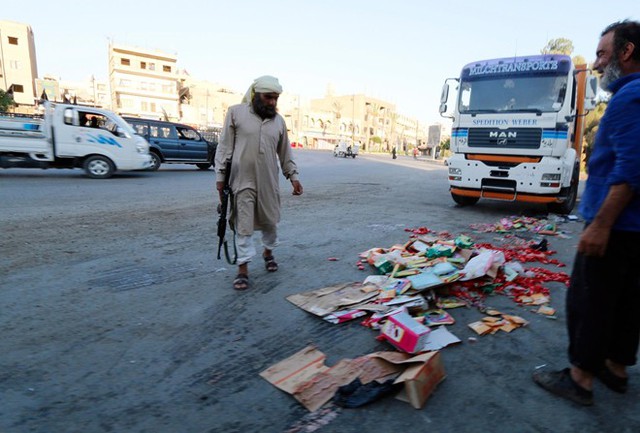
x=615 y=158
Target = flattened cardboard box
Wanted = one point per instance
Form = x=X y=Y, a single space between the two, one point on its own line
x=308 y=380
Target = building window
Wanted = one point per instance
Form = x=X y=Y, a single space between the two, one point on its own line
x=152 y=66
x=143 y=65
x=152 y=107
x=18 y=88
x=166 y=68
x=143 y=106
x=13 y=40
x=125 y=62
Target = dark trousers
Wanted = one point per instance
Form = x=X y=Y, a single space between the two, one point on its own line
x=603 y=305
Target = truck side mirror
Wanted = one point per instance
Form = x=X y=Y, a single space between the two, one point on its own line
x=590 y=93
x=443 y=108
x=444 y=95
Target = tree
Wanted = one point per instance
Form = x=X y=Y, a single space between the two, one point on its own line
x=578 y=60
x=591 y=123
x=558 y=46
x=6 y=101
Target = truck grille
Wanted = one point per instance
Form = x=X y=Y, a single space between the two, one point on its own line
x=512 y=138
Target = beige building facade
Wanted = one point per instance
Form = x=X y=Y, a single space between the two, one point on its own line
x=143 y=82
x=18 y=67
x=203 y=103
x=373 y=123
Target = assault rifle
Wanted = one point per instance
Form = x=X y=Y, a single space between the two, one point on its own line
x=223 y=209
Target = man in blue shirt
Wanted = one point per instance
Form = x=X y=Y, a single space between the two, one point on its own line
x=603 y=300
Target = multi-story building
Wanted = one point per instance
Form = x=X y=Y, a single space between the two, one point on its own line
x=143 y=82
x=372 y=123
x=18 y=68
x=203 y=103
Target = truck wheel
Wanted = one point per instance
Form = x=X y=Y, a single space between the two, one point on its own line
x=203 y=166
x=155 y=161
x=464 y=200
x=353 y=156
x=98 y=167
x=567 y=206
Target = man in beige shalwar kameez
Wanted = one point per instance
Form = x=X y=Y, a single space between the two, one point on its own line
x=255 y=138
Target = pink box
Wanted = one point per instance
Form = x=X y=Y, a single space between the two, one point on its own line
x=405 y=332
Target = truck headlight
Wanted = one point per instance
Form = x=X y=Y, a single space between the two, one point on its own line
x=455 y=171
x=551 y=176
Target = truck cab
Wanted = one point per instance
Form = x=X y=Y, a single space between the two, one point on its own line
x=517 y=130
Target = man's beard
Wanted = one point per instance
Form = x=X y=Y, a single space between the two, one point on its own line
x=262 y=110
x=611 y=73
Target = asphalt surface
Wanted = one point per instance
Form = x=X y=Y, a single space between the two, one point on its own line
x=117 y=317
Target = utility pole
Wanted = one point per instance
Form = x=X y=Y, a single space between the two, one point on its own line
x=353 y=120
x=4 y=68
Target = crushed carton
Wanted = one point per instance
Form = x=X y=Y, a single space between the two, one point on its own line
x=405 y=332
x=305 y=376
x=422 y=379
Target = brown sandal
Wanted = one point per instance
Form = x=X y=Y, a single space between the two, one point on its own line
x=241 y=282
x=270 y=263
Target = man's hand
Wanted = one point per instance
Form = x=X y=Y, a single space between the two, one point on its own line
x=297 y=187
x=220 y=187
x=594 y=240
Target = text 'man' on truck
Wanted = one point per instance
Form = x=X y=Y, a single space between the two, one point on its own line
x=517 y=130
x=71 y=136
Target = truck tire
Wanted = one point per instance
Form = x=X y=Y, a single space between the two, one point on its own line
x=98 y=167
x=567 y=206
x=464 y=200
x=203 y=166
x=353 y=156
x=155 y=161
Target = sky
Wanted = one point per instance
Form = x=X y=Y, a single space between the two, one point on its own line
x=400 y=51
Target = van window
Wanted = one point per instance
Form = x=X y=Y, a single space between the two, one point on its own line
x=141 y=129
x=188 y=134
x=165 y=132
x=161 y=132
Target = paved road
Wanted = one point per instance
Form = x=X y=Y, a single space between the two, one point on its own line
x=116 y=316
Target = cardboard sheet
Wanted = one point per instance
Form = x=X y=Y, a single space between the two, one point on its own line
x=308 y=380
x=329 y=299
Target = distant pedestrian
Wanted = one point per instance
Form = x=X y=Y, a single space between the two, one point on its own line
x=415 y=153
x=254 y=137
x=394 y=153
x=603 y=300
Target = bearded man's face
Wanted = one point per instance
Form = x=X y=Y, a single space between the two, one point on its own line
x=266 y=105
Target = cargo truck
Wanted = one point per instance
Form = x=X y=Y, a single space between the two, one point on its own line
x=517 y=130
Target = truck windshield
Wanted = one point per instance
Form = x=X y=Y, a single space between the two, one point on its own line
x=512 y=94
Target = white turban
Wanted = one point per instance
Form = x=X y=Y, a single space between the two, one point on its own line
x=264 y=84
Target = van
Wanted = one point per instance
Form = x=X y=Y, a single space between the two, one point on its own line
x=174 y=143
x=72 y=136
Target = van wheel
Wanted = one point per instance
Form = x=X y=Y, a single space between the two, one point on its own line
x=203 y=166
x=99 y=167
x=464 y=200
x=155 y=161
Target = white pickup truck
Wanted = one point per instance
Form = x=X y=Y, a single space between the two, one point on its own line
x=71 y=136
